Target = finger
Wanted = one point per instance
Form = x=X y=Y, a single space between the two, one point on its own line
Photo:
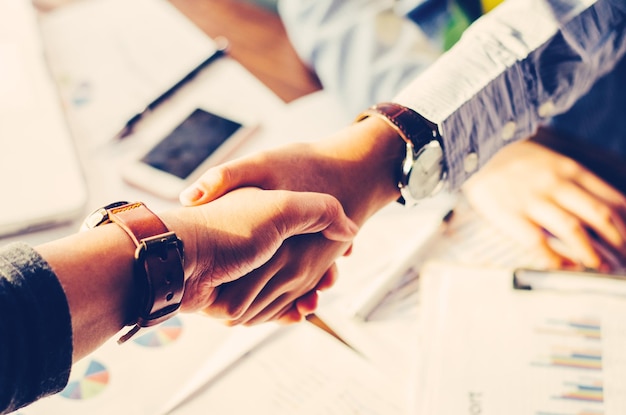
x=268 y=307
x=596 y=185
x=526 y=233
x=596 y=213
x=328 y=279
x=219 y=180
x=286 y=313
x=307 y=304
x=605 y=191
x=236 y=297
x=304 y=305
x=568 y=228
x=307 y=212
x=289 y=315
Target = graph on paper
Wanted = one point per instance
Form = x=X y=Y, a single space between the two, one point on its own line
x=499 y=350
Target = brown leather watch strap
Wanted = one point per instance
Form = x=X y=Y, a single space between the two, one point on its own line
x=410 y=126
x=159 y=270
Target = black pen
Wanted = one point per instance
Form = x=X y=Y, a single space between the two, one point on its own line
x=221 y=44
x=583 y=282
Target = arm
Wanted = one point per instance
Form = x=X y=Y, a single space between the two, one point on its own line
x=516 y=66
x=513 y=69
x=223 y=241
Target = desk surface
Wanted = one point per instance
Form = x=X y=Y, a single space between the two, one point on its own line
x=257 y=40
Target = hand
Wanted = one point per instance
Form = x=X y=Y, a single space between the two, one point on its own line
x=356 y=165
x=528 y=189
x=239 y=234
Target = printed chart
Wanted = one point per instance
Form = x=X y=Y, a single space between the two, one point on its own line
x=161 y=335
x=88 y=379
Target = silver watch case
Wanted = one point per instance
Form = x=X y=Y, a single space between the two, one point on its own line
x=423 y=172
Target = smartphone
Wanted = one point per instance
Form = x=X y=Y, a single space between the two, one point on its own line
x=203 y=139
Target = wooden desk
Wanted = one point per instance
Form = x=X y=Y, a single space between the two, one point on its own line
x=257 y=40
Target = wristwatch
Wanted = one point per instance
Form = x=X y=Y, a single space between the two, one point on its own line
x=159 y=267
x=423 y=172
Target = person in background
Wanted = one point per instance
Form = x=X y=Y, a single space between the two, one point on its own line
x=515 y=69
x=367 y=51
x=62 y=299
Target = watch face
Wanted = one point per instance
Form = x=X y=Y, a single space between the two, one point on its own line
x=424 y=172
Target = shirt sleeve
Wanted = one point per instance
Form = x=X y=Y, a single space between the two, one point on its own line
x=513 y=69
x=363 y=51
x=35 y=329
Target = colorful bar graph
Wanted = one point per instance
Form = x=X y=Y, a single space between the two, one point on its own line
x=578 y=359
x=587 y=328
x=588 y=392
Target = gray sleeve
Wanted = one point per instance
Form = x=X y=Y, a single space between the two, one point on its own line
x=35 y=329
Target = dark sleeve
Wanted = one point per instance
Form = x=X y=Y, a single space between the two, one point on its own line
x=35 y=329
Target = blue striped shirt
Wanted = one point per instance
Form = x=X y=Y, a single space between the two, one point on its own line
x=525 y=64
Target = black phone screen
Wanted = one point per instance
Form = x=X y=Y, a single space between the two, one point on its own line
x=190 y=143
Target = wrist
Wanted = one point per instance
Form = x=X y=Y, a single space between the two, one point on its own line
x=422 y=172
x=181 y=222
x=95 y=269
x=369 y=152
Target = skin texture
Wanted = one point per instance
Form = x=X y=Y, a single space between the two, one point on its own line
x=228 y=239
x=542 y=191
x=357 y=165
x=535 y=194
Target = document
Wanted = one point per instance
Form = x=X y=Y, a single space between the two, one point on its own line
x=139 y=376
x=490 y=349
x=111 y=58
x=302 y=371
x=389 y=338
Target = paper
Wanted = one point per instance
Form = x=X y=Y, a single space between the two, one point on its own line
x=389 y=339
x=111 y=58
x=241 y=341
x=140 y=375
x=490 y=349
x=303 y=371
x=472 y=240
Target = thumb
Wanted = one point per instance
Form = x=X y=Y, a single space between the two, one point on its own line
x=219 y=180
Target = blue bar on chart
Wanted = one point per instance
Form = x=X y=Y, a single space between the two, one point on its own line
x=584 y=328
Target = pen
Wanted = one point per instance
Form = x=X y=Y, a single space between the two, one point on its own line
x=405 y=265
x=584 y=282
x=221 y=45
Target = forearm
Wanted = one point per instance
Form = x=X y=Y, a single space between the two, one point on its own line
x=513 y=69
x=100 y=307
x=369 y=154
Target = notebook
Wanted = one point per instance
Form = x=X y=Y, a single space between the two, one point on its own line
x=41 y=179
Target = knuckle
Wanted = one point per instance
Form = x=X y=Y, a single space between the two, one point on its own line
x=234 y=310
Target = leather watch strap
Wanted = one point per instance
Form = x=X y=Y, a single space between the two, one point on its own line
x=410 y=126
x=421 y=138
x=159 y=270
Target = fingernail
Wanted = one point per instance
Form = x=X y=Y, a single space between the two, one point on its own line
x=191 y=195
